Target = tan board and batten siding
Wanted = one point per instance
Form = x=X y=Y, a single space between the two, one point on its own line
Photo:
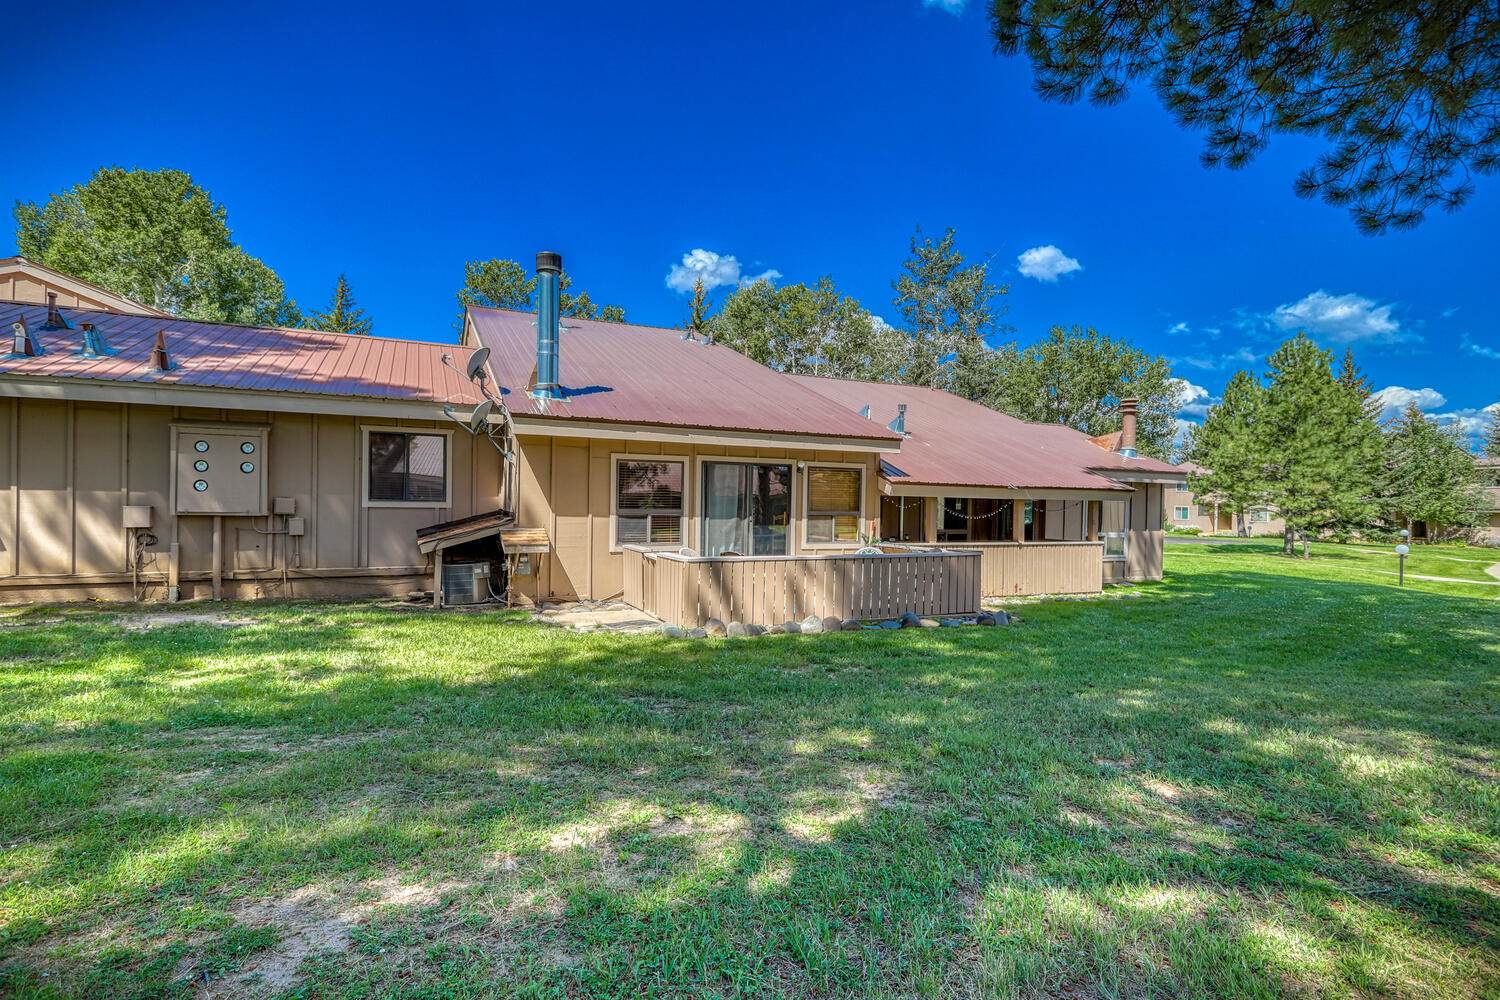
x=565 y=486
x=67 y=470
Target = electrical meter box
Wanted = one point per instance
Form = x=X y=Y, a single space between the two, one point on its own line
x=220 y=468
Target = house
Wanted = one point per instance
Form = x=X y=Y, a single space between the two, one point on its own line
x=642 y=441
x=1489 y=532
x=547 y=456
x=22 y=280
x=153 y=456
x=1185 y=509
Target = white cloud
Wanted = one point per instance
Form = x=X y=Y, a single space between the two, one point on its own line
x=1479 y=350
x=1340 y=318
x=1238 y=358
x=716 y=270
x=1471 y=422
x=770 y=274
x=1394 y=399
x=954 y=7
x=1191 y=399
x=1046 y=263
x=1179 y=328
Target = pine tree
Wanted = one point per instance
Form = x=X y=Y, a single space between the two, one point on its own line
x=949 y=311
x=1229 y=445
x=1428 y=475
x=1314 y=433
x=699 y=306
x=342 y=316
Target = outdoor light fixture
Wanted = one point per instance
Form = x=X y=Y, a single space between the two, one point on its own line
x=1401 y=551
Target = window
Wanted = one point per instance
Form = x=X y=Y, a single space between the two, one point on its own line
x=649 y=501
x=1180 y=513
x=1112 y=528
x=1182 y=488
x=1260 y=516
x=833 y=505
x=408 y=468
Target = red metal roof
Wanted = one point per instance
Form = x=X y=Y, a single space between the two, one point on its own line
x=953 y=442
x=641 y=374
x=224 y=356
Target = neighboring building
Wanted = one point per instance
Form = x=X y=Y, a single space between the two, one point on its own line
x=1489 y=531
x=577 y=459
x=22 y=280
x=318 y=455
x=1185 y=509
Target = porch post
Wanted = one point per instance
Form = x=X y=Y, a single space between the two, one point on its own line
x=437 y=578
x=930 y=518
x=1018 y=520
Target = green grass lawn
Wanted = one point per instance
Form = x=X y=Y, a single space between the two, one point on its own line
x=1263 y=777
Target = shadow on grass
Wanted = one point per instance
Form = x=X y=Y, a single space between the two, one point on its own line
x=1239 y=784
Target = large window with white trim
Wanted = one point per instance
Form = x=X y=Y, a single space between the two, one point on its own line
x=1112 y=515
x=833 y=504
x=649 y=502
x=1181 y=514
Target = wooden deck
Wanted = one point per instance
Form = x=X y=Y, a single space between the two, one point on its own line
x=768 y=590
x=1016 y=569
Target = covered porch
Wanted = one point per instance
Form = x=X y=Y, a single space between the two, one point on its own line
x=1064 y=543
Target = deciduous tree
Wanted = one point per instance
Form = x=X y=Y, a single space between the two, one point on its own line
x=504 y=284
x=1492 y=435
x=1077 y=377
x=1406 y=92
x=156 y=237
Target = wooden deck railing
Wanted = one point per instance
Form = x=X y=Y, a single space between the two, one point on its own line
x=1015 y=569
x=768 y=590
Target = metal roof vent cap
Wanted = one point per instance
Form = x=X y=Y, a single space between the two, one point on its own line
x=899 y=424
x=161 y=361
x=94 y=344
x=23 y=345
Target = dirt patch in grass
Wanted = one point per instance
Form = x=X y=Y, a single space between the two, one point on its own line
x=147 y=621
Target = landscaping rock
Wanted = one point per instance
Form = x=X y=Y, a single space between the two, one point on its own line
x=890 y=623
x=951 y=623
x=791 y=628
x=930 y=623
x=697 y=633
x=910 y=620
x=715 y=627
x=831 y=624
x=736 y=629
x=776 y=630
x=673 y=632
x=755 y=630
x=1002 y=617
x=985 y=618
x=812 y=625
x=851 y=625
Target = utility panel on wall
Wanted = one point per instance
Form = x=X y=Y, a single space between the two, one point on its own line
x=220 y=468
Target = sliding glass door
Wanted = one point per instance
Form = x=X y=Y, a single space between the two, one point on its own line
x=747 y=508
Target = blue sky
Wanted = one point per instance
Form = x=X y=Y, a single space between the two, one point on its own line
x=802 y=139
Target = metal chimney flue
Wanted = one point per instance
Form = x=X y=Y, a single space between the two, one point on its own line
x=548 y=317
x=22 y=345
x=55 y=320
x=899 y=424
x=1127 y=426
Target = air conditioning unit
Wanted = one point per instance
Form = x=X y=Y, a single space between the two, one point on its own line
x=466 y=583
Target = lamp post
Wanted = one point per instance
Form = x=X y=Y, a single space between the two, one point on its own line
x=1401 y=551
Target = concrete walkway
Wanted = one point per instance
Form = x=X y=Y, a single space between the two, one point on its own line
x=1492 y=571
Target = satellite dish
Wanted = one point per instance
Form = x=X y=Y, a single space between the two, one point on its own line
x=475 y=368
x=480 y=415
